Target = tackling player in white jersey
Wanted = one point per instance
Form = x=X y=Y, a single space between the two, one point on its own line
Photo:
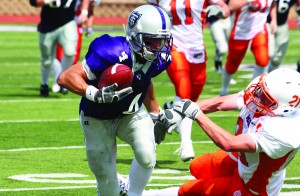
x=254 y=160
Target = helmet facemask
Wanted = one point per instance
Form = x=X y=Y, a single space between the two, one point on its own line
x=258 y=100
x=150 y=47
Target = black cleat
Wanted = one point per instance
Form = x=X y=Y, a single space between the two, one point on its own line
x=63 y=91
x=44 y=90
x=218 y=66
x=298 y=66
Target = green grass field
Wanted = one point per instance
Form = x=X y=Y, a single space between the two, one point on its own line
x=41 y=142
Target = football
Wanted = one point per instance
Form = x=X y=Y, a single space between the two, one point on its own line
x=118 y=73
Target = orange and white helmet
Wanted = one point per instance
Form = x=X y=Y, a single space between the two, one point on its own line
x=274 y=94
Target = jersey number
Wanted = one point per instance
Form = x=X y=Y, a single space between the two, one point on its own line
x=134 y=106
x=188 y=12
x=283 y=6
x=57 y=4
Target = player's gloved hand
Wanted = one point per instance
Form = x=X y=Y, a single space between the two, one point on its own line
x=108 y=94
x=159 y=132
x=187 y=108
x=53 y=3
x=165 y=122
x=89 y=32
x=214 y=10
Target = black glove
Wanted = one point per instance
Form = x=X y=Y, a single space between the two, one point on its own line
x=108 y=94
x=165 y=122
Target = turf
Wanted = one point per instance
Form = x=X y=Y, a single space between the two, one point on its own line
x=40 y=137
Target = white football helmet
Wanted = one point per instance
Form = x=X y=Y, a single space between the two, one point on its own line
x=274 y=94
x=148 y=32
x=95 y=2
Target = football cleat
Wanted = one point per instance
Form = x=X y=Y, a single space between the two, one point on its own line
x=298 y=66
x=186 y=151
x=218 y=67
x=57 y=89
x=124 y=185
x=44 y=90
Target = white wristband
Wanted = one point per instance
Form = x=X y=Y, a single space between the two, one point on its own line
x=90 y=93
x=84 y=12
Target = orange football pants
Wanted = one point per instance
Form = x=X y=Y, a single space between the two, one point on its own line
x=188 y=78
x=238 y=49
x=216 y=175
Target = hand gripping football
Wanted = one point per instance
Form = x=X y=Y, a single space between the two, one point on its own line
x=118 y=73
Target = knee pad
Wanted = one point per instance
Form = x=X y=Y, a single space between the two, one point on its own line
x=70 y=50
x=223 y=49
x=145 y=154
x=46 y=64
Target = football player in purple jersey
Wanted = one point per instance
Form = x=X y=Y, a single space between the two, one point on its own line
x=279 y=41
x=106 y=113
x=57 y=25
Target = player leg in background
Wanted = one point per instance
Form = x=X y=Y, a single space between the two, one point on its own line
x=137 y=130
x=57 y=66
x=259 y=48
x=213 y=173
x=278 y=45
x=236 y=53
x=47 y=48
x=220 y=30
x=68 y=41
x=188 y=80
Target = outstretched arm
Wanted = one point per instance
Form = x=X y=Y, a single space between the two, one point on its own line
x=221 y=103
x=222 y=138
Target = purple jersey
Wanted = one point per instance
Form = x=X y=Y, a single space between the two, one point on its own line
x=105 y=51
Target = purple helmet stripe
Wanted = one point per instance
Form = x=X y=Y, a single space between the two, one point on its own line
x=163 y=19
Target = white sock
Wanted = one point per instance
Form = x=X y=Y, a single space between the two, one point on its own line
x=226 y=77
x=66 y=62
x=57 y=69
x=185 y=129
x=45 y=72
x=138 y=178
x=258 y=71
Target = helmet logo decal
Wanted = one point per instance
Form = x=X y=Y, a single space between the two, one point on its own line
x=133 y=18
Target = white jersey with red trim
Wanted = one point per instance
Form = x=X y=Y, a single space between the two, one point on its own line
x=250 y=19
x=187 y=25
x=277 y=142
